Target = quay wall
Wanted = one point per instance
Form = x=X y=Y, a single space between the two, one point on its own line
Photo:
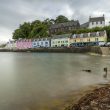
x=96 y=50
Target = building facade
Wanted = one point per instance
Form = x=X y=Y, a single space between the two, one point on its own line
x=11 y=44
x=60 y=40
x=41 y=42
x=64 y=27
x=24 y=44
x=94 y=22
x=88 y=39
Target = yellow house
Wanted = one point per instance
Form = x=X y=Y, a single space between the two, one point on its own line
x=60 y=40
x=88 y=39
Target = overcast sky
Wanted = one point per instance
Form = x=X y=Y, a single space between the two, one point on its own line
x=15 y=12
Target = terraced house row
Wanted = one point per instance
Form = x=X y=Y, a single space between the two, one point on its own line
x=65 y=40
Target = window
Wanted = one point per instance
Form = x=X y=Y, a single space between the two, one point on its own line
x=96 y=39
x=88 y=40
x=66 y=41
x=74 y=40
x=41 y=43
x=92 y=23
x=58 y=41
x=97 y=22
x=100 y=22
x=46 y=42
x=34 y=43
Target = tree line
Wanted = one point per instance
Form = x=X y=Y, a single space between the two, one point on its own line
x=37 y=28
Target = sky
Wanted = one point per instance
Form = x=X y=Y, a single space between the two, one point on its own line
x=15 y=12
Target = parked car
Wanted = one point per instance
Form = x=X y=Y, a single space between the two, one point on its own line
x=107 y=44
x=102 y=44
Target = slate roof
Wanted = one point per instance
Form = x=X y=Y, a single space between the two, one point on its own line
x=41 y=39
x=95 y=19
x=92 y=34
x=66 y=24
x=85 y=25
x=61 y=36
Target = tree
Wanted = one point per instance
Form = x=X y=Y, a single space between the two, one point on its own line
x=17 y=34
x=23 y=31
x=61 y=19
x=39 y=30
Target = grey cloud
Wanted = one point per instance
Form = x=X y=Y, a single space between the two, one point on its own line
x=15 y=12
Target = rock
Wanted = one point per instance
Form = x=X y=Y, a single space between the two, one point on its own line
x=99 y=99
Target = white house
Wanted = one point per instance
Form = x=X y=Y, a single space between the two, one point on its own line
x=11 y=44
x=41 y=42
x=96 y=22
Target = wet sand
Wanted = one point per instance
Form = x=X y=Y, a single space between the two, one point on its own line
x=69 y=99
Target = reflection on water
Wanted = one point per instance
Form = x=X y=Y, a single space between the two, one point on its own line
x=28 y=79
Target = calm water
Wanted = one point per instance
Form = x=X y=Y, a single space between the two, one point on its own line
x=28 y=79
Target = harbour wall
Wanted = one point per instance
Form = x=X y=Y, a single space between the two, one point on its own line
x=96 y=50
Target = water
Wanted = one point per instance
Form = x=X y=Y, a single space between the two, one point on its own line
x=29 y=79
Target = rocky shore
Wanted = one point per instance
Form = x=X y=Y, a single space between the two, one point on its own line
x=98 y=99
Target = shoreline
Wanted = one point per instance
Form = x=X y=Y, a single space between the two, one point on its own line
x=103 y=51
x=90 y=50
x=67 y=101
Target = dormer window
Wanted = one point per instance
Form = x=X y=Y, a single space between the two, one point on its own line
x=81 y=35
x=74 y=36
x=97 y=33
x=89 y=34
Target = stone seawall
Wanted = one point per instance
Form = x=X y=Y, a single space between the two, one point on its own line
x=100 y=50
x=96 y=50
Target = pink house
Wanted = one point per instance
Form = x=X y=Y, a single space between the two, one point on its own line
x=24 y=44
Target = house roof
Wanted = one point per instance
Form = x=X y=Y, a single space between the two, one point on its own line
x=70 y=23
x=41 y=39
x=95 y=19
x=61 y=36
x=85 y=25
x=92 y=34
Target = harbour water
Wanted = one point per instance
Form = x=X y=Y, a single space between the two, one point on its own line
x=29 y=79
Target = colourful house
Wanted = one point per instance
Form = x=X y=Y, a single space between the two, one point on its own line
x=60 y=40
x=88 y=39
x=24 y=44
x=41 y=42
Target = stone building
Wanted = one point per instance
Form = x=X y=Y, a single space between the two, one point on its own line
x=64 y=27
